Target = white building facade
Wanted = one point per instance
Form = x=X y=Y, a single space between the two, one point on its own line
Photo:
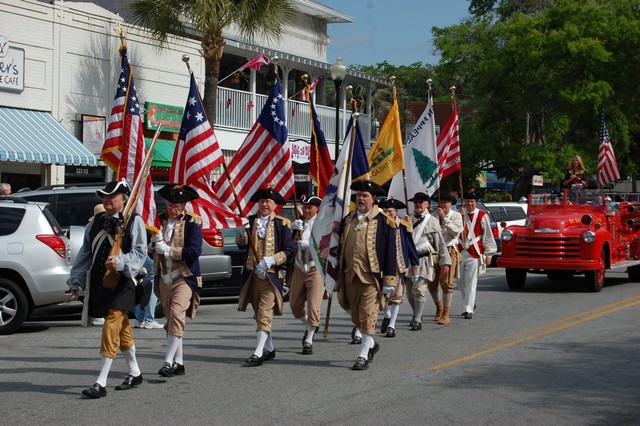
x=67 y=79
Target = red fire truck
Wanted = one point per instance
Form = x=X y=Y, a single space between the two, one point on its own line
x=580 y=233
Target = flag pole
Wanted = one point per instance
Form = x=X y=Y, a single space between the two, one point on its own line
x=345 y=200
x=429 y=99
x=404 y=172
x=464 y=217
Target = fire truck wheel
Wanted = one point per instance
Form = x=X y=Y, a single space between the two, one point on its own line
x=594 y=280
x=634 y=273
x=516 y=278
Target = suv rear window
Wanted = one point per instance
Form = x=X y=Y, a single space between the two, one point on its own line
x=515 y=213
x=11 y=219
x=77 y=208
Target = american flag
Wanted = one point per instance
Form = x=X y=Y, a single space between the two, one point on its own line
x=264 y=158
x=255 y=63
x=607 y=164
x=448 y=146
x=196 y=155
x=320 y=164
x=123 y=150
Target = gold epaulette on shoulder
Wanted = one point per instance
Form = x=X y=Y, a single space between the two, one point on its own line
x=195 y=218
x=285 y=221
x=391 y=222
x=407 y=224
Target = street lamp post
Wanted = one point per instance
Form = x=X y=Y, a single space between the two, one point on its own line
x=338 y=73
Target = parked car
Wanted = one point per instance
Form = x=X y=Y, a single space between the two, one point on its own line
x=73 y=205
x=35 y=261
x=507 y=213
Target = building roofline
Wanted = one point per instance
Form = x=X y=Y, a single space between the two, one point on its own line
x=314 y=8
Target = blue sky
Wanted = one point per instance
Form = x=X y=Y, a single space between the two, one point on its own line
x=398 y=31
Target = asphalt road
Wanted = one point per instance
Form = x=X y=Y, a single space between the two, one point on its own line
x=551 y=354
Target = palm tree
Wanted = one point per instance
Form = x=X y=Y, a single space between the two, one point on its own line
x=206 y=19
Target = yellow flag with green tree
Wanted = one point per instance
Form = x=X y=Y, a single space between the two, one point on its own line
x=386 y=157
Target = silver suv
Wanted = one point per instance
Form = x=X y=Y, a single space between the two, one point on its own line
x=72 y=205
x=35 y=260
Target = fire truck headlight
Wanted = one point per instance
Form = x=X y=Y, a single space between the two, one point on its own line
x=589 y=237
x=507 y=235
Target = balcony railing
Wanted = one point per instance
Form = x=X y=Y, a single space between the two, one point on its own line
x=239 y=110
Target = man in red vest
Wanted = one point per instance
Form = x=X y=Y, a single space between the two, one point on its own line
x=477 y=246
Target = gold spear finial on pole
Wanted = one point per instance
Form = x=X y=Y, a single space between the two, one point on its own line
x=185 y=59
x=275 y=60
x=120 y=33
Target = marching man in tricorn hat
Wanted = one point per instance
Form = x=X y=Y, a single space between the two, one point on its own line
x=177 y=270
x=113 y=303
x=306 y=285
x=264 y=269
x=367 y=266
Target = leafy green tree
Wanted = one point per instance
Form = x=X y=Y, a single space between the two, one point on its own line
x=205 y=20
x=536 y=84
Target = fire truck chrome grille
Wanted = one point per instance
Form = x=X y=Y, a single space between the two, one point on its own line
x=548 y=246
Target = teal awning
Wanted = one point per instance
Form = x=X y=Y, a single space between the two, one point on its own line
x=162 y=153
x=37 y=137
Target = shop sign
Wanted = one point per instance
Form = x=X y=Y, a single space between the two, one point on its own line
x=169 y=115
x=11 y=67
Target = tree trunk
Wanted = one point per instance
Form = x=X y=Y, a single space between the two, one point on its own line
x=212 y=49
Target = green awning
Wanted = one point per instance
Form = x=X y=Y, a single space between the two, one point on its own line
x=162 y=153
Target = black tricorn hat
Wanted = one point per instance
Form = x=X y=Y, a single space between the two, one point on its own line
x=447 y=198
x=178 y=193
x=368 y=186
x=114 y=187
x=310 y=200
x=392 y=203
x=473 y=195
x=267 y=194
x=420 y=196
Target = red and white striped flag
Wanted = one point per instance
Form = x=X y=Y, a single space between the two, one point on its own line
x=256 y=63
x=196 y=155
x=607 y=164
x=123 y=150
x=305 y=95
x=264 y=159
x=448 y=146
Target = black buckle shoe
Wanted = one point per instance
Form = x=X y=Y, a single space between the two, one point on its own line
x=267 y=355
x=307 y=349
x=165 y=371
x=95 y=391
x=361 y=364
x=412 y=323
x=373 y=351
x=467 y=315
x=391 y=332
x=417 y=326
x=130 y=382
x=177 y=369
x=253 y=361
x=385 y=324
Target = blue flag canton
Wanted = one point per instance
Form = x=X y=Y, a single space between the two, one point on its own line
x=131 y=103
x=194 y=114
x=359 y=162
x=272 y=116
x=604 y=133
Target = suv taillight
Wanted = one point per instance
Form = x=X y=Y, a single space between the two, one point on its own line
x=494 y=230
x=55 y=243
x=213 y=237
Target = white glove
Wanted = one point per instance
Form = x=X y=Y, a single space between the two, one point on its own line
x=270 y=261
x=162 y=248
x=242 y=233
x=387 y=289
x=303 y=245
x=157 y=237
x=297 y=225
x=415 y=279
x=260 y=270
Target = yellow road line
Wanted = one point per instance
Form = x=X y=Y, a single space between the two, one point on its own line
x=561 y=324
